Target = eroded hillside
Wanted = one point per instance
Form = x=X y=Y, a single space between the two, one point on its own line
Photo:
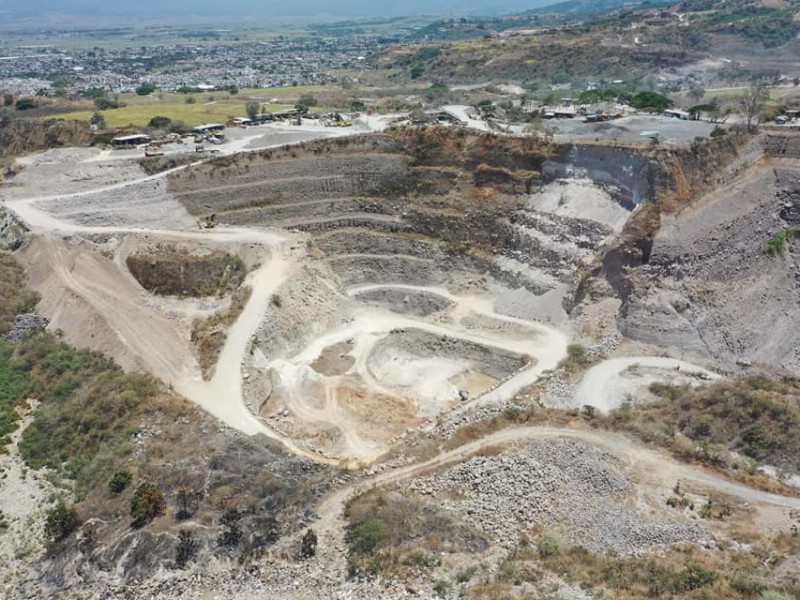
x=461 y=321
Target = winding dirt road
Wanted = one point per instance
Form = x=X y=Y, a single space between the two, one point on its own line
x=647 y=466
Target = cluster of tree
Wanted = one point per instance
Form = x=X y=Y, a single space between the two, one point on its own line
x=145 y=89
x=595 y=96
x=650 y=101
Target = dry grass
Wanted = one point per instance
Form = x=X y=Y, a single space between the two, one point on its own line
x=682 y=571
x=209 y=335
x=753 y=416
x=394 y=535
x=15 y=298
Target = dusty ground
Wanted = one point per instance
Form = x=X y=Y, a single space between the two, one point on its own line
x=24 y=494
x=363 y=324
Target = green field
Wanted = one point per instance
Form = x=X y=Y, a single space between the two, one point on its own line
x=139 y=115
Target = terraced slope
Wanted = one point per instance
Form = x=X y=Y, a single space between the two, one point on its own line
x=432 y=258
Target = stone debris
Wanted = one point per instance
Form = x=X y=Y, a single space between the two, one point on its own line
x=564 y=485
x=24 y=326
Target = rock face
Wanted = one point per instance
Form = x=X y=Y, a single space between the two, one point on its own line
x=25 y=325
x=710 y=286
x=12 y=232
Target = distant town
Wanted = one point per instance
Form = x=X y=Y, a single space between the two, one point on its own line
x=46 y=71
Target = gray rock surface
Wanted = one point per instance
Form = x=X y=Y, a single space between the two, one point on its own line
x=564 y=485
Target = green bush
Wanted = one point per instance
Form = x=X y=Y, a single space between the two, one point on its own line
x=145 y=89
x=159 y=122
x=548 y=545
x=365 y=538
x=777 y=243
x=60 y=521
x=148 y=502
x=718 y=132
x=465 y=575
x=119 y=481
x=442 y=588
x=26 y=104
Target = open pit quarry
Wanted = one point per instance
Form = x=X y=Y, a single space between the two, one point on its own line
x=392 y=278
x=341 y=296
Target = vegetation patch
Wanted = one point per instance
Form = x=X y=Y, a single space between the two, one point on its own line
x=209 y=335
x=391 y=535
x=15 y=384
x=683 y=571
x=89 y=409
x=171 y=271
x=15 y=298
x=14 y=388
x=754 y=416
x=777 y=243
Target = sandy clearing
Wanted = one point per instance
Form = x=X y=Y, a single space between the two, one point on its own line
x=606 y=385
x=579 y=199
x=23 y=494
x=546 y=346
x=149 y=336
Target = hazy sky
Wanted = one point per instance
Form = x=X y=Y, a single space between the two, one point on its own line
x=171 y=8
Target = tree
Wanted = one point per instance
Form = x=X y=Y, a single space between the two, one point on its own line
x=651 y=101
x=186 y=550
x=231 y=534
x=178 y=127
x=60 y=521
x=697 y=94
x=308 y=547
x=121 y=479
x=148 y=502
x=186 y=500
x=252 y=109
x=145 y=89
x=307 y=99
x=8 y=99
x=104 y=103
x=752 y=102
x=159 y=122
x=26 y=104
x=98 y=120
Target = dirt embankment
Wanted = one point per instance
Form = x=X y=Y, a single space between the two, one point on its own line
x=18 y=137
x=176 y=272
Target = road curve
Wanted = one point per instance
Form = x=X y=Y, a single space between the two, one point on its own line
x=645 y=462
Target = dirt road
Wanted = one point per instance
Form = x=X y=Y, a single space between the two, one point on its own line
x=606 y=386
x=648 y=467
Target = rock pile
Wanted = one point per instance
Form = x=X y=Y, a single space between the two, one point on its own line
x=561 y=484
x=24 y=326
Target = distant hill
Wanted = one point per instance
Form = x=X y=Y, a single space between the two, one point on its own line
x=593 y=7
x=170 y=9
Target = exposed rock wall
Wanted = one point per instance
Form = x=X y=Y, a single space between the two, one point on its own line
x=12 y=232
